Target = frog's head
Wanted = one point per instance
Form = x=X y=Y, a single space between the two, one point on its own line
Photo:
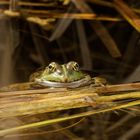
x=65 y=73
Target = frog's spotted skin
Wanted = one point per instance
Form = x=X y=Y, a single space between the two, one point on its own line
x=66 y=75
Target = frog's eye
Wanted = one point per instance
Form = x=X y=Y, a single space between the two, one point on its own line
x=73 y=66
x=52 y=67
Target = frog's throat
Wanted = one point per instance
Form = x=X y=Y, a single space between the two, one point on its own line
x=82 y=82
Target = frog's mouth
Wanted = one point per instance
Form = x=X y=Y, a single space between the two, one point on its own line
x=74 y=84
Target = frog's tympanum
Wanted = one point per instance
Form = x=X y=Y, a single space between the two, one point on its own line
x=66 y=75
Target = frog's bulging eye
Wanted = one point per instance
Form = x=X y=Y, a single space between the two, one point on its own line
x=52 y=67
x=73 y=66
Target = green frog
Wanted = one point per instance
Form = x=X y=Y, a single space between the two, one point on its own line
x=55 y=75
x=67 y=75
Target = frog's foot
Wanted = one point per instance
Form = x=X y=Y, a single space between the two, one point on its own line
x=101 y=84
x=97 y=85
x=98 y=82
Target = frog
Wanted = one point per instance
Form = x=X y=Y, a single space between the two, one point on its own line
x=56 y=75
x=66 y=75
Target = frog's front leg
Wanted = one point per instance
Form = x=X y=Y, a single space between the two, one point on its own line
x=98 y=82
